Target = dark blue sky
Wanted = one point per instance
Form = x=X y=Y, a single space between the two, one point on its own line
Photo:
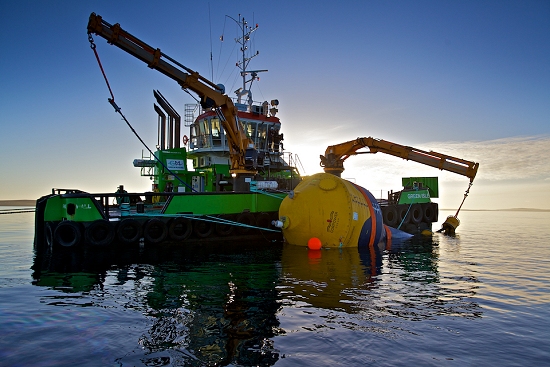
x=414 y=72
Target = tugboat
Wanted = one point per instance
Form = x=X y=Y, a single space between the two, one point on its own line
x=240 y=174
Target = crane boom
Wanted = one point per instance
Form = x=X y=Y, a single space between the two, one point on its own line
x=211 y=96
x=335 y=155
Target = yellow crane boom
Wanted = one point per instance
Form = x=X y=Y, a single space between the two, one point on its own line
x=335 y=155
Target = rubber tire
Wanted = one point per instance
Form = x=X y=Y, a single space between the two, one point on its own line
x=416 y=214
x=390 y=215
x=225 y=229
x=99 y=233
x=155 y=231
x=203 y=229
x=128 y=225
x=67 y=234
x=49 y=230
x=180 y=229
x=435 y=208
x=401 y=212
x=248 y=219
x=429 y=213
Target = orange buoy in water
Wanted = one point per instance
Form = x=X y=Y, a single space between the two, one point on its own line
x=314 y=243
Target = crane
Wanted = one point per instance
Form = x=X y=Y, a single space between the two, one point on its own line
x=211 y=96
x=335 y=155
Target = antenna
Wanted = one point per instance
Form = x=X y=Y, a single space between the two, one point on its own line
x=243 y=64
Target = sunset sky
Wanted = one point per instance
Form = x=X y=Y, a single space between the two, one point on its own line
x=465 y=78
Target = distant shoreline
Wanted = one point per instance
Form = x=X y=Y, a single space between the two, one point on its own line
x=18 y=203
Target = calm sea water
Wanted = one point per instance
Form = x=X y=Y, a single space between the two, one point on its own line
x=481 y=298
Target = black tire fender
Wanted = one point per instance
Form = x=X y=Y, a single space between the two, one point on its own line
x=203 y=228
x=49 y=229
x=180 y=229
x=390 y=215
x=429 y=213
x=99 y=233
x=68 y=233
x=416 y=214
x=402 y=215
x=155 y=231
x=247 y=219
x=128 y=231
x=223 y=228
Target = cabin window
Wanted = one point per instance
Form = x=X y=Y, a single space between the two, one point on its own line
x=261 y=141
x=250 y=129
x=216 y=132
x=194 y=133
x=205 y=133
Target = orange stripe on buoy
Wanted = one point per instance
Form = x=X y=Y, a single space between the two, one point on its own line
x=388 y=237
x=371 y=212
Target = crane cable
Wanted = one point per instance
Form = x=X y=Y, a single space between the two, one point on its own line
x=465 y=196
x=117 y=109
x=93 y=47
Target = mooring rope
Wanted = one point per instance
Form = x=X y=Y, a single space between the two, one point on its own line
x=17 y=211
x=211 y=219
x=400 y=224
x=260 y=191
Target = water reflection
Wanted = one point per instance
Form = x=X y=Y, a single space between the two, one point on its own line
x=404 y=282
x=224 y=304
x=212 y=304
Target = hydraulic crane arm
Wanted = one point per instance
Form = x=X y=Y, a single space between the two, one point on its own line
x=335 y=155
x=211 y=95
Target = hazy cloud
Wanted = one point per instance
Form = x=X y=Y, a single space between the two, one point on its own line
x=502 y=159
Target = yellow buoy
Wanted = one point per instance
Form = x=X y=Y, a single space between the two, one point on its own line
x=336 y=212
x=450 y=225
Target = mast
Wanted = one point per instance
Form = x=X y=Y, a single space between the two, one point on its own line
x=245 y=91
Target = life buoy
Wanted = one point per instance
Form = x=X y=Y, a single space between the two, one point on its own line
x=223 y=228
x=429 y=212
x=155 y=231
x=99 y=233
x=263 y=220
x=67 y=233
x=246 y=219
x=390 y=215
x=203 y=228
x=402 y=215
x=180 y=229
x=128 y=231
x=416 y=213
x=185 y=140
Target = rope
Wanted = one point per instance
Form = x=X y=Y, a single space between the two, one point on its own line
x=117 y=109
x=400 y=224
x=259 y=191
x=16 y=211
x=209 y=218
